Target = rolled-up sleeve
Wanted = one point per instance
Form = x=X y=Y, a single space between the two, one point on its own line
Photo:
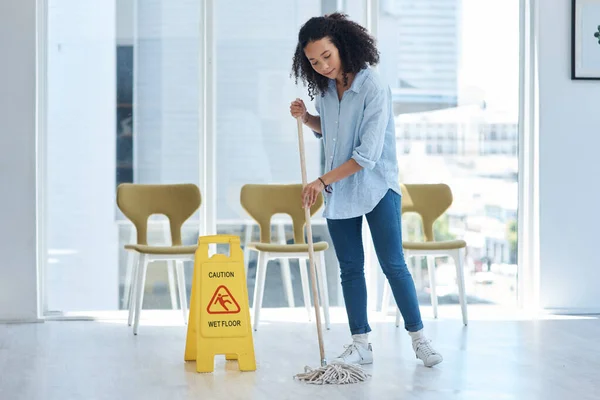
x=372 y=129
x=318 y=108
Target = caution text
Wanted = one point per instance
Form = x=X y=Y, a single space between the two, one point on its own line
x=221 y=274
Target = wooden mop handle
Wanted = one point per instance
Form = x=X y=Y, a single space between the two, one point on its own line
x=311 y=250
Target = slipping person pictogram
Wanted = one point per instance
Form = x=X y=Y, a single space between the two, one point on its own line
x=223 y=302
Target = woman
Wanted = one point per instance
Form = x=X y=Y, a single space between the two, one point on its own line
x=356 y=123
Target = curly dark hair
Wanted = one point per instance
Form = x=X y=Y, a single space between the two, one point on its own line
x=357 y=49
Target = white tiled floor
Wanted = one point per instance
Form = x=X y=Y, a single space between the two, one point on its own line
x=498 y=356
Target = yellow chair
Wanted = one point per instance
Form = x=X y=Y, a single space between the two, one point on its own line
x=262 y=202
x=431 y=201
x=138 y=202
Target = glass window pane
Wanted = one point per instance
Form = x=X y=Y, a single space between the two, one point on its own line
x=257 y=139
x=122 y=107
x=450 y=81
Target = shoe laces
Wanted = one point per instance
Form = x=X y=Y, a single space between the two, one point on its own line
x=350 y=348
x=423 y=346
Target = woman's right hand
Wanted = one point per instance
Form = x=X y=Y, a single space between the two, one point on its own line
x=298 y=110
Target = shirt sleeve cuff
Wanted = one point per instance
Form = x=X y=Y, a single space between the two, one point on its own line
x=317 y=134
x=362 y=161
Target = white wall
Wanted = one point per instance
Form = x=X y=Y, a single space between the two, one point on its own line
x=18 y=277
x=569 y=170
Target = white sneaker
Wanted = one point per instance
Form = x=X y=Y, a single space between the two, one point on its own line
x=355 y=354
x=426 y=353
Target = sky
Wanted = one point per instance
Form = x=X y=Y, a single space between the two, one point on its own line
x=490 y=53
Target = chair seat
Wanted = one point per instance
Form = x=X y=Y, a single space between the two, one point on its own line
x=162 y=250
x=445 y=245
x=287 y=248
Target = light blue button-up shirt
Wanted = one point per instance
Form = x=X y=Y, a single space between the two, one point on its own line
x=360 y=126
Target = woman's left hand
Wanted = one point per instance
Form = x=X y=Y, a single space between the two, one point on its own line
x=310 y=193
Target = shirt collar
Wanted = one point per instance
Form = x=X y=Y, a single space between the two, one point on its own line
x=359 y=80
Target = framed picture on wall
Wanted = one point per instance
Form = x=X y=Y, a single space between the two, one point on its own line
x=585 y=39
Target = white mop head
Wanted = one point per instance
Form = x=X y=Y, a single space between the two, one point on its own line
x=333 y=374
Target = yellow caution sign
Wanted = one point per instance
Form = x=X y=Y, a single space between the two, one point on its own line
x=219 y=320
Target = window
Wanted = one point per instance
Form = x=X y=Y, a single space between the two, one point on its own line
x=438 y=51
x=124 y=129
x=257 y=140
x=122 y=107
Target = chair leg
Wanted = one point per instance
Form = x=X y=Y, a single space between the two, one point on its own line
x=322 y=284
x=303 y=264
x=407 y=256
x=432 y=285
x=127 y=285
x=248 y=229
x=286 y=278
x=460 y=279
x=286 y=275
x=139 y=295
x=259 y=285
x=172 y=285
x=133 y=288
x=182 y=289
x=417 y=275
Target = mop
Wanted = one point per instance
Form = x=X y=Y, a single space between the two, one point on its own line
x=336 y=373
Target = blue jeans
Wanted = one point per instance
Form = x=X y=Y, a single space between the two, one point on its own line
x=386 y=231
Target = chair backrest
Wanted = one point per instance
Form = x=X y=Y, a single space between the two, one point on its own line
x=177 y=202
x=264 y=201
x=430 y=201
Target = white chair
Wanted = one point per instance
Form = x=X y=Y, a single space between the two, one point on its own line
x=431 y=201
x=163 y=226
x=262 y=202
x=138 y=202
x=285 y=263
